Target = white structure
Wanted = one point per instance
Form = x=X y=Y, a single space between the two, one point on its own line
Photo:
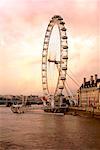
x=89 y=92
x=61 y=64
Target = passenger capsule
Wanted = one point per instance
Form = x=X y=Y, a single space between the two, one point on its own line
x=64 y=37
x=43 y=63
x=56 y=16
x=44 y=82
x=60 y=18
x=63 y=78
x=63 y=29
x=43 y=69
x=43 y=55
x=64 y=68
x=44 y=49
x=61 y=87
x=65 y=47
x=49 y=25
x=44 y=76
x=46 y=36
x=62 y=23
x=51 y=21
x=48 y=30
x=45 y=42
x=65 y=57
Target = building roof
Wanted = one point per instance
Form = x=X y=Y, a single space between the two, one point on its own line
x=89 y=84
x=98 y=80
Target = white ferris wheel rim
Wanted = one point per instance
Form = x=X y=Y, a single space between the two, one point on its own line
x=56 y=20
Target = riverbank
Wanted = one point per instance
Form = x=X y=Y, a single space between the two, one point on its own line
x=75 y=111
x=84 y=112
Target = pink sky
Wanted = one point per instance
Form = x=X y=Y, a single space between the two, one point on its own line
x=22 y=29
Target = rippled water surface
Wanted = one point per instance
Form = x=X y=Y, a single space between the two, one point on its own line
x=38 y=130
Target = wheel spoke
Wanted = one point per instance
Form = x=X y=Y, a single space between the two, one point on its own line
x=46 y=57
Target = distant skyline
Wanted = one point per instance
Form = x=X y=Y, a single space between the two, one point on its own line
x=22 y=29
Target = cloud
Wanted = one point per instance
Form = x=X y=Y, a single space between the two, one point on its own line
x=22 y=28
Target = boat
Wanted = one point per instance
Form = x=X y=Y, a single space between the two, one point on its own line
x=19 y=108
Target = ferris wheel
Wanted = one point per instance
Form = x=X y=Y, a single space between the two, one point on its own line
x=62 y=63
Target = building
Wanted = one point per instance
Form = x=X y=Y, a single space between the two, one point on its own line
x=89 y=92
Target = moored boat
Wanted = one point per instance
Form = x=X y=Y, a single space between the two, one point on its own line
x=18 y=109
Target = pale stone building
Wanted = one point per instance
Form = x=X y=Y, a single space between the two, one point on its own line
x=89 y=92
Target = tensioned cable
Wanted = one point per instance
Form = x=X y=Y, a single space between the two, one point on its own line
x=69 y=89
x=64 y=83
x=73 y=80
x=73 y=75
x=66 y=89
x=67 y=84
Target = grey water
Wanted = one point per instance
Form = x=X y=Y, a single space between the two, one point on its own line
x=38 y=130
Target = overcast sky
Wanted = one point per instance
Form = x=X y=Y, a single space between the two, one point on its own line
x=22 y=28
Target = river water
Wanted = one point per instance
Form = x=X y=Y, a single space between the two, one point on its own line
x=38 y=130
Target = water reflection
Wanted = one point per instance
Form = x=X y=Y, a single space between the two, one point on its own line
x=40 y=131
